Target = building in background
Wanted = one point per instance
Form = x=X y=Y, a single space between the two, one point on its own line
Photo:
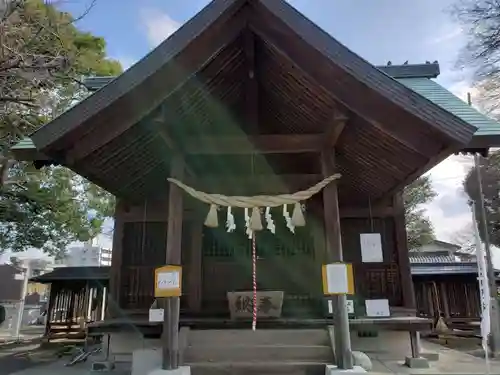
x=445 y=283
x=85 y=256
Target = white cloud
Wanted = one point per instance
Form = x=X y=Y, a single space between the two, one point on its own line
x=159 y=26
x=448 y=34
x=449 y=211
x=462 y=88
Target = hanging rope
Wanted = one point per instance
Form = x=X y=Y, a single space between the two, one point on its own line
x=257 y=200
x=256 y=203
x=254 y=283
x=253 y=221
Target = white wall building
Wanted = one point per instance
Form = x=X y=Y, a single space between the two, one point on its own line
x=85 y=256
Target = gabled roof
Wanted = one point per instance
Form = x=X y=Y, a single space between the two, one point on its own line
x=417 y=77
x=441 y=263
x=486 y=126
x=74 y=274
x=102 y=137
x=219 y=11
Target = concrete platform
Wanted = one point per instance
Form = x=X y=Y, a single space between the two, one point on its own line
x=184 y=370
x=333 y=370
x=417 y=362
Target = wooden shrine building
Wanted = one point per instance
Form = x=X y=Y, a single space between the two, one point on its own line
x=247 y=98
x=446 y=285
x=77 y=297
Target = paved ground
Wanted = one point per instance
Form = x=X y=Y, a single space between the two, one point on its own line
x=18 y=358
x=387 y=353
x=27 y=333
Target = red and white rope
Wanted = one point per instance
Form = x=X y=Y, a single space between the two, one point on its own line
x=254 y=282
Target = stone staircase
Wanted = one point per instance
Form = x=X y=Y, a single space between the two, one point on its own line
x=261 y=352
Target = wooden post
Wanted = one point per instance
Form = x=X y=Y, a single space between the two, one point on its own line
x=402 y=250
x=113 y=307
x=171 y=305
x=444 y=297
x=342 y=339
x=195 y=274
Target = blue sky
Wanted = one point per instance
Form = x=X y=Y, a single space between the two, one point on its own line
x=379 y=31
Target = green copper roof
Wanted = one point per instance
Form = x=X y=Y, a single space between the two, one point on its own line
x=445 y=99
x=26 y=143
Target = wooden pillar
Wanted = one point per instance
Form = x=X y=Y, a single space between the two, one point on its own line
x=195 y=275
x=342 y=339
x=445 y=298
x=171 y=305
x=113 y=307
x=402 y=249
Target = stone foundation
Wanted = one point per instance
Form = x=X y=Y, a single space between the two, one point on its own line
x=123 y=344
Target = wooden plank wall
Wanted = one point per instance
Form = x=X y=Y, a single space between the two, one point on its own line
x=139 y=247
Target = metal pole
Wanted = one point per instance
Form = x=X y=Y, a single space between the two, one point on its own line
x=24 y=290
x=495 y=326
x=495 y=323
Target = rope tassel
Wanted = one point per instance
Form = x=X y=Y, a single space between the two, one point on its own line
x=298 y=216
x=255 y=220
x=212 y=220
x=230 y=224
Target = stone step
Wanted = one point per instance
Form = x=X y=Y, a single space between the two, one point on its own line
x=245 y=353
x=258 y=368
x=259 y=337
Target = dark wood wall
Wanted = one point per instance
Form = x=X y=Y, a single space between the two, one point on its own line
x=215 y=262
x=454 y=297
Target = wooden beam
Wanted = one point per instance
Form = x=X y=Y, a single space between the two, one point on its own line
x=353 y=213
x=195 y=282
x=266 y=144
x=343 y=355
x=435 y=160
x=113 y=309
x=171 y=305
x=402 y=251
x=335 y=129
x=269 y=184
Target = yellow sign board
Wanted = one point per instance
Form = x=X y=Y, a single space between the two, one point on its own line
x=338 y=278
x=168 y=281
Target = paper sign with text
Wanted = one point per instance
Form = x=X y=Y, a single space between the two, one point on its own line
x=168 y=281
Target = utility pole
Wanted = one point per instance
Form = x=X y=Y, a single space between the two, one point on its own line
x=494 y=307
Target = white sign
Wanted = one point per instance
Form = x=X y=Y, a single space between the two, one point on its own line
x=484 y=286
x=19 y=276
x=349 y=305
x=371 y=248
x=168 y=280
x=377 y=308
x=156 y=315
x=336 y=278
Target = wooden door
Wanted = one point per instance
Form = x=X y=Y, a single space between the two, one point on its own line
x=286 y=262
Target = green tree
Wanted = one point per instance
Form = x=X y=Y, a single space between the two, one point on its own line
x=490 y=175
x=480 y=22
x=42 y=57
x=418 y=226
